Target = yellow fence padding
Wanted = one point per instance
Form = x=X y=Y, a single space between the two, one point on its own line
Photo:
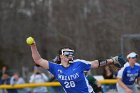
x=108 y=81
x=48 y=84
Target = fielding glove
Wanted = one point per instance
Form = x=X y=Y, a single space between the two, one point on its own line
x=119 y=61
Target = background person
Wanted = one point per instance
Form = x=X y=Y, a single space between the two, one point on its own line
x=38 y=77
x=6 y=79
x=97 y=88
x=108 y=74
x=55 y=89
x=16 y=79
x=128 y=74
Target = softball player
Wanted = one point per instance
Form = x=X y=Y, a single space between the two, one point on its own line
x=70 y=73
x=128 y=74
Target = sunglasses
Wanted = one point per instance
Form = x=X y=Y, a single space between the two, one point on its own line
x=68 y=52
x=133 y=57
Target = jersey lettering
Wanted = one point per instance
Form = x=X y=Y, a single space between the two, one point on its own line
x=70 y=77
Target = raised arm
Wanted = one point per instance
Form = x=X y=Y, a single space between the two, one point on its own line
x=37 y=58
x=35 y=54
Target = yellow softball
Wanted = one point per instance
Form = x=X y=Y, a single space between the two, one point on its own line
x=30 y=40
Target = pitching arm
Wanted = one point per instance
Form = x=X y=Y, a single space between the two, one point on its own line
x=37 y=58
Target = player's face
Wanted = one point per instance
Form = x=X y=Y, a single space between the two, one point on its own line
x=68 y=54
x=64 y=58
x=133 y=60
x=70 y=58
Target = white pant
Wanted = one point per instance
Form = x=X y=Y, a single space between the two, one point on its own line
x=132 y=87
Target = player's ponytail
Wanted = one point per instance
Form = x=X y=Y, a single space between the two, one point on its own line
x=57 y=59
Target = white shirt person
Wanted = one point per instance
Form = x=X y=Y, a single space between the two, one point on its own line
x=39 y=77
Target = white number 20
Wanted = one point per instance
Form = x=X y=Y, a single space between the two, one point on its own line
x=69 y=84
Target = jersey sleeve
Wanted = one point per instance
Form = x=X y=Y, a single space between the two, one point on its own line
x=120 y=73
x=52 y=67
x=85 y=65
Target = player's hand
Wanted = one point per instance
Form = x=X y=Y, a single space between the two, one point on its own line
x=129 y=90
x=30 y=41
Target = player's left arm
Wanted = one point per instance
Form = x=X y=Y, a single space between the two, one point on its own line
x=98 y=63
x=117 y=60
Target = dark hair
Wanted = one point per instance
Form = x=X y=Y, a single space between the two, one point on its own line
x=105 y=73
x=60 y=51
x=7 y=72
x=57 y=59
x=17 y=73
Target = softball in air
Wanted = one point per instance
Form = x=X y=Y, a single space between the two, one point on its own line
x=30 y=40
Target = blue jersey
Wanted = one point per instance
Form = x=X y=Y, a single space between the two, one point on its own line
x=72 y=78
x=128 y=74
